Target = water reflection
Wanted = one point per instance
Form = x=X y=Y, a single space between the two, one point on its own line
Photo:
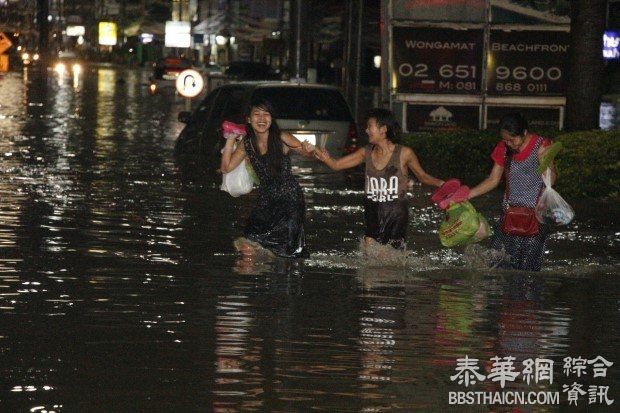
x=120 y=288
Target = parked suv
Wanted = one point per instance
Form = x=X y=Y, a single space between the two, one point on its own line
x=316 y=113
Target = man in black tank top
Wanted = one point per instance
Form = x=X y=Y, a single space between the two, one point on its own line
x=386 y=210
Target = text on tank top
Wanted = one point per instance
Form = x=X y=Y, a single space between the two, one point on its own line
x=387 y=184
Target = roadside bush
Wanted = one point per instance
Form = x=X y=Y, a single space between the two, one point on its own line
x=459 y=154
x=588 y=165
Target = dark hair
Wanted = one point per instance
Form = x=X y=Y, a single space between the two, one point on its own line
x=274 y=153
x=384 y=117
x=514 y=123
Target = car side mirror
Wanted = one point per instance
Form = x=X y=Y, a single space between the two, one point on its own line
x=184 y=117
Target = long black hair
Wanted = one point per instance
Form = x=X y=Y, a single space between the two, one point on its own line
x=386 y=118
x=275 y=153
x=514 y=123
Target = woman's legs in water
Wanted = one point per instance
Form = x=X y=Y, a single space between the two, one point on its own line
x=251 y=250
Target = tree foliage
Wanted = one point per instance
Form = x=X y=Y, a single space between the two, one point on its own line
x=585 y=64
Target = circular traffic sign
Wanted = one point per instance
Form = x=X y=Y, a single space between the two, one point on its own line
x=189 y=83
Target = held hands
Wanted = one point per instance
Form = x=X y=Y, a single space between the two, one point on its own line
x=308 y=147
x=322 y=155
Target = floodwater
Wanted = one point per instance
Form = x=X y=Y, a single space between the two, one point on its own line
x=120 y=290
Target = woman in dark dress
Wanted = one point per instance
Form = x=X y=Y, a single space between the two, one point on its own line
x=277 y=221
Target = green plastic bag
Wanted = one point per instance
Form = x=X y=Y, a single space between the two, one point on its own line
x=252 y=173
x=550 y=154
x=463 y=225
x=484 y=230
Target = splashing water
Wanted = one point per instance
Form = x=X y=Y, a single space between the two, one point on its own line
x=476 y=256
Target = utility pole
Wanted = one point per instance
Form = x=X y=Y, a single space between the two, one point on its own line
x=298 y=39
x=358 y=59
x=385 y=55
x=43 y=28
x=352 y=60
x=121 y=28
x=346 y=84
x=299 y=23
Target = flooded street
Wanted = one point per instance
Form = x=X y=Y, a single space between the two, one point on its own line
x=120 y=290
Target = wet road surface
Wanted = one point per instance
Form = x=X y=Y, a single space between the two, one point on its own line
x=120 y=289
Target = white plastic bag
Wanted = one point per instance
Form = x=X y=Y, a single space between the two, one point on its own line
x=551 y=207
x=238 y=181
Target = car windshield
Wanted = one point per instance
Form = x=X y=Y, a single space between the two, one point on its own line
x=306 y=103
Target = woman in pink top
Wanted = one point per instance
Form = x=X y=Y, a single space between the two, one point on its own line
x=517 y=156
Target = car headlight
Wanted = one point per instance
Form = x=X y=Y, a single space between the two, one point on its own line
x=60 y=68
x=76 y=68
x=25 y=56
x=35 y=56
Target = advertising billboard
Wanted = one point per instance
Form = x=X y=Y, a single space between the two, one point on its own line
x=527 y=63
x=178 y=34
x=437 y=60
x=107 y=33
x=471 y=11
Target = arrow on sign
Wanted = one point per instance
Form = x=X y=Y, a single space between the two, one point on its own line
x=189 y=83
x=193 y=80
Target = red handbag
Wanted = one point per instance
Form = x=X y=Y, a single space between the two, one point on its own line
x=518 y=220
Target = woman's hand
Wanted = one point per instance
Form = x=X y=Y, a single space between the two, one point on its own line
x=233 y=137
x=322 y=155
x=308 y=147
x=349 y=161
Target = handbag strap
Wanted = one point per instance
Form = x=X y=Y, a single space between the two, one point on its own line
x=508 y=163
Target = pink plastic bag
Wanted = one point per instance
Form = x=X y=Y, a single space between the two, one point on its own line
x=451 y=192
x=233 y=130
